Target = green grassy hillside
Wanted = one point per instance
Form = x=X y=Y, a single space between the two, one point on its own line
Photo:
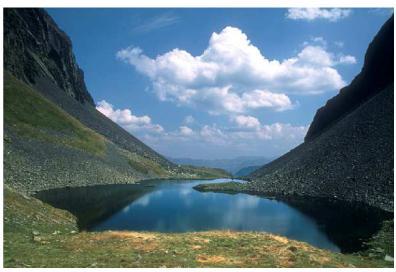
x=31 y=115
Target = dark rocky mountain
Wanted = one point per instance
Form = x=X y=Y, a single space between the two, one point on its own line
x=376 y=75
x=348 y=151
x=35 y=48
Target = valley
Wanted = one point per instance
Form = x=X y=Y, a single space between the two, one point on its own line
x=82 y=190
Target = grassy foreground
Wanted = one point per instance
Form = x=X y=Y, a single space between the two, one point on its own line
x=38 y=235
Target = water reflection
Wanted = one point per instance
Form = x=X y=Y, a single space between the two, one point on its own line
x=176 y=207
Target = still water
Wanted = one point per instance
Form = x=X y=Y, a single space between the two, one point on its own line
x=174 y=206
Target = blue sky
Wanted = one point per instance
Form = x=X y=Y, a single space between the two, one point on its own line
x=218 y=83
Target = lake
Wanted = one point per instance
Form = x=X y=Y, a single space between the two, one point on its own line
x=174 y=206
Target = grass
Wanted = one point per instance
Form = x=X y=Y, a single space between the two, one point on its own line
x=227 y=187
x=38 y=235
x=202 y=172
x=382 y=243
x=145 y=166
x=29 y=114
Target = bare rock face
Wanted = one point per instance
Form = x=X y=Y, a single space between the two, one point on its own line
x=377 y=73
x=35 y=48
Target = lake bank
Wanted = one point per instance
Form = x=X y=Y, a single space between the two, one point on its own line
x=169 y=206
x=38 y=235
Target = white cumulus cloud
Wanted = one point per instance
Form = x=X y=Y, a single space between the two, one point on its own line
x=348 y=59
x=186 y=131
x=127 y=120
x=310 y=14
x=246 y=121
x=233 y=76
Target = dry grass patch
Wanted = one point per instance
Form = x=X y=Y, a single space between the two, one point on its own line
x=279 y=239
x=118 y=240
x=196 y=247
x=201 y=239
x=205 y=259
x=126 y=235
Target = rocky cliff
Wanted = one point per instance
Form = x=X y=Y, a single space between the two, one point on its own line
x=348 y=152
x=35 y=48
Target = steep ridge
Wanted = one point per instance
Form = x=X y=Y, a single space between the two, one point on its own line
x=53 y=135
x=37 y=52
x=376 y=75
x=36 y=48
x=348 y=152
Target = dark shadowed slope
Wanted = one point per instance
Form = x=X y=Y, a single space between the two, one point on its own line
x=348 y=153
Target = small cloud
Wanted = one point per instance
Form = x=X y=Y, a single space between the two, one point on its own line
x=348 y=59
x=339 y=44
x=310 y=14
x=188 y=120
x=319 y=40
x=127 y=120
x=246 y=121
x=185 y=131
x=157 y=22
x=213 y=134
x=316 y=54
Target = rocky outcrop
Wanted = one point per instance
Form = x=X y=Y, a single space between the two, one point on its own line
x=35 y=48
x=376 y=75
x=348 y=152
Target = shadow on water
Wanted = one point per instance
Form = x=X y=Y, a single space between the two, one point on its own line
x=93 y=204
x=347 y=224
x=174 y=206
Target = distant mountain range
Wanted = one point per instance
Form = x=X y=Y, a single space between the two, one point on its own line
x=232 y=166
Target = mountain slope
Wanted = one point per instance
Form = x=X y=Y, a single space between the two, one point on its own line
x=349 y=158
x=376 y=74
x=53 y=135
x=37 y=52
x=246 y=170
